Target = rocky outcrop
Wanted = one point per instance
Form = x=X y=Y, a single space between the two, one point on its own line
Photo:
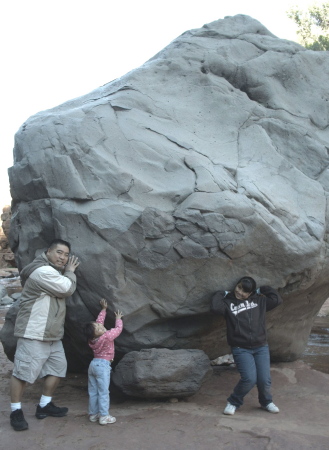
x=207 y=163
x=7 y=337
x=7 y=258
x=162 y=373
x=10 y=292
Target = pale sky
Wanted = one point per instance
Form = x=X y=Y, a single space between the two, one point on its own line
x=53 y=51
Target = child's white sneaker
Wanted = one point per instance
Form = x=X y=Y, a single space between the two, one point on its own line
x=272 y=408
x=104 y=420
x=93 y=417
x=229 y=409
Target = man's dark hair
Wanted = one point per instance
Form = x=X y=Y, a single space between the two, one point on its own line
x=56 y=242
x=89 y=331
x=248 y=284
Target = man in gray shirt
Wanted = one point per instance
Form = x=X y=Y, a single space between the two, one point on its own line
x=47 y=281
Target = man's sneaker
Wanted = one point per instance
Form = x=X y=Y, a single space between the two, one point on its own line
x=104 y=420
x=229 y=409
x=93 y=417
x=272 y=408
x=50 y=410
x=17 y=420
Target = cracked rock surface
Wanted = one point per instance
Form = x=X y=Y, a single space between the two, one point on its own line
x=207 y=163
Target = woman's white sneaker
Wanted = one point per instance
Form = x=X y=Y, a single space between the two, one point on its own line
x=272 y=408
x=104 y=420
x=229 y=409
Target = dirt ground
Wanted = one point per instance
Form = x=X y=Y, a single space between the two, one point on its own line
x=197 y=423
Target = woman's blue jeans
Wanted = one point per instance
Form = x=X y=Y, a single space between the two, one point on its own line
x=99 y=374
x=253 y=365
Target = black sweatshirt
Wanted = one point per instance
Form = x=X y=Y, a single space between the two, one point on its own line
x=245 y=319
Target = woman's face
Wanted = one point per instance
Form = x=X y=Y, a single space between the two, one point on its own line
x=240 y=293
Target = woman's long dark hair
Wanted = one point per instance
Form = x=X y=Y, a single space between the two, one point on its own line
x=248 y=284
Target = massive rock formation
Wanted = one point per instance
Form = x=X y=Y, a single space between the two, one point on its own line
x=207 y=163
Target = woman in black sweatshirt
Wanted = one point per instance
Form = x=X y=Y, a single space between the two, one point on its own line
x=244 y=310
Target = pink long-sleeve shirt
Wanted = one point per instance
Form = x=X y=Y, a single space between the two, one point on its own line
x=103 y=346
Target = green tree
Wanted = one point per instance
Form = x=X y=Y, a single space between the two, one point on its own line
x=313 y=25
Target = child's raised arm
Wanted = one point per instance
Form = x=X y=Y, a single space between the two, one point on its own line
x=103 y=303
x=118 y=314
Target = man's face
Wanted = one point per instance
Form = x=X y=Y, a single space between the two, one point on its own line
x=58 y=256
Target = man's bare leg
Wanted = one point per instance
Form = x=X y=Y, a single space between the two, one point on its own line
x=17 y=387
x=17 y=420
x=50 y=384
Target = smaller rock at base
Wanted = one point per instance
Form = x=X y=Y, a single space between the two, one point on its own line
x=6 y=300
x=5 y=274
x=162 y=373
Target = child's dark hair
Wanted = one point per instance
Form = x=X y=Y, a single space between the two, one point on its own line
x=247 y=284
x=89 y=331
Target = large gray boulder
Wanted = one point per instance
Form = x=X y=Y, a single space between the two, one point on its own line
x=207 y=163
x=162 y=373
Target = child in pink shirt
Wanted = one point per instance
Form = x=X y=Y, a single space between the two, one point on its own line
x=101 y=341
